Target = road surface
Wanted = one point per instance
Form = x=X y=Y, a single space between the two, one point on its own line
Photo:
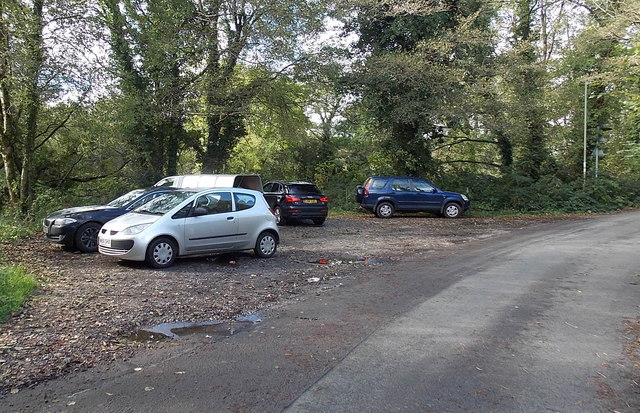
x=536 y=321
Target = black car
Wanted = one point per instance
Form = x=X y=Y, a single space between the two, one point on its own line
x=77 y=228
x=296 y=200
x=384 y=195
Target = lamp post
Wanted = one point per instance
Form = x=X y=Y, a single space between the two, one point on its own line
x=584 y=155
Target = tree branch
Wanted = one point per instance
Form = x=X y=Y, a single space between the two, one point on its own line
x=473 y=162
x=466 y=140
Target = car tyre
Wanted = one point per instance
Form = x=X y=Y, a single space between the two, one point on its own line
x=452 y=210
x=318 y=221
x=266 y=245
x=280 y=220
x=86 y=238
x=162 y=252
x=385 y=210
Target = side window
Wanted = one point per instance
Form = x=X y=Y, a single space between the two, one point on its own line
x=422 y=186
x=401 y=185
x=244 y=201
x=378 y=183
x=169 y=181
x=215 y=203
x=278 y=188
x=268 y=187
x=183 y=213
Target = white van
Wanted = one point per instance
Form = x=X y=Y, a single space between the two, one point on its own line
x=213 y=181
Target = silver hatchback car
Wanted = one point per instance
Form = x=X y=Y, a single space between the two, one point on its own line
x=190 y=222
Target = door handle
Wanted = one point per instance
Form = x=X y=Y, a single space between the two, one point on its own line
x=230 y=218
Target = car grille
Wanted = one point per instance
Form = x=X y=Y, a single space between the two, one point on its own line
x=104 y=231
x=112 y=251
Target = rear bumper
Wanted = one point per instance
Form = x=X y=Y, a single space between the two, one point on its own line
x=305 y=212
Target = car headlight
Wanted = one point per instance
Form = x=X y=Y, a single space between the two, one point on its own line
x=136 y=229
x=59 y=222
x=464 y=197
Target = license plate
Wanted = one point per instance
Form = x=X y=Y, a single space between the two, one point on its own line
x=104 y=242
x=310 y=201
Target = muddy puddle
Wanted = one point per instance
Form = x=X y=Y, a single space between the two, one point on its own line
x=219 y=329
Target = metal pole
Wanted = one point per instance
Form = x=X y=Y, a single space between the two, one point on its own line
x=597 y=156
x=584 y=155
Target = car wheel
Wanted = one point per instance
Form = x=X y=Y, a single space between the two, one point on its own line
x=385 y=210
x=266 y=245
x=86 y=238
x=161 y=253
x=452 y=210
x=318 y=221
x=277 y=211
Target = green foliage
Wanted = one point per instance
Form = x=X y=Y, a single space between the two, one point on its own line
x=16 y=285
x=13 y=226
x=548 y=195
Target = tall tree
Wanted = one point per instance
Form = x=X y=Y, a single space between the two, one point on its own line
x=245 y=34
x=153 y=44
x=31 y=77
x=420 y=58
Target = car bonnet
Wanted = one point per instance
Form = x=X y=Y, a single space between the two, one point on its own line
x=130 y=219
x=79 y=210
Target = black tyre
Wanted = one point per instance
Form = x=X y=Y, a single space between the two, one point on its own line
x=452 y=210
x=385 y=210
x=266 y=245
x=318 y=221
x=162 y=252
x=86 y=238
x=277 y=211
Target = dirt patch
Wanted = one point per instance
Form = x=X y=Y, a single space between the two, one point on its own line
x=88 y=304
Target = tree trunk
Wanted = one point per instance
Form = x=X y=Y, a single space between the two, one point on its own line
x=529 y=87
x=9 y=132
x=32 y=106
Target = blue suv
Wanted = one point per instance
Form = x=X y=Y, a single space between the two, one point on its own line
x=384 y=195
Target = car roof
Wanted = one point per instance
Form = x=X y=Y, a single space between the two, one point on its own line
x=394 y=177
x=290 y=182
x=206 y=190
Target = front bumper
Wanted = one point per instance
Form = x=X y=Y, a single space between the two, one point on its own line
x=60 y=235
x=133 y=248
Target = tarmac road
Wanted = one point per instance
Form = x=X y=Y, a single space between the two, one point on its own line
x=531 y=322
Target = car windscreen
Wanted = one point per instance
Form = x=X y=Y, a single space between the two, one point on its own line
x=304 y=189
x=126 y=198
x=164 y=203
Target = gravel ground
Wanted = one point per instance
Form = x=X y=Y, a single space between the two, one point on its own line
x=88 y=306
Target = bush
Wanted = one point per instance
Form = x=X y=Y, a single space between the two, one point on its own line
x=15 y=287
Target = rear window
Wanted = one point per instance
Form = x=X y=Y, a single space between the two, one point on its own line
x=304 y=189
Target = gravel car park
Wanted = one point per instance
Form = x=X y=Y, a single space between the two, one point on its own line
x=89 y=305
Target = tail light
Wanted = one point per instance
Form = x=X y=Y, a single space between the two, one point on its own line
x=290 y=198
x=365 y=192
x=324 y=199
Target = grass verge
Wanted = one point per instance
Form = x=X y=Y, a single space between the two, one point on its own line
x=15 y=287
